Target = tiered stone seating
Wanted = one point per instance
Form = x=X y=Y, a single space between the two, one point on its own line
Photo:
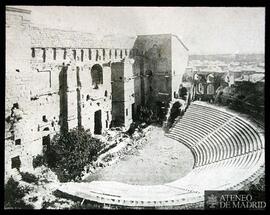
x=228 y=153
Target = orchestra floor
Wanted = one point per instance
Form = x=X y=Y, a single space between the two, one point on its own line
x=161 y=160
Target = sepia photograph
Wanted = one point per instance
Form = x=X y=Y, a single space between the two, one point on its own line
x=124 y=107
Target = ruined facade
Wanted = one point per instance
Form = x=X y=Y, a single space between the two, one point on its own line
x=160 y=62
x=57 y=80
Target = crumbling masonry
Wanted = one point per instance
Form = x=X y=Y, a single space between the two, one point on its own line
x=57 y=80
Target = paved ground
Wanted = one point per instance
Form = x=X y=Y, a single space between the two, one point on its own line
x=161 y=160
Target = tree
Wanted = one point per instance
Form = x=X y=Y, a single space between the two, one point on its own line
x=14 y=194
x=70 y=152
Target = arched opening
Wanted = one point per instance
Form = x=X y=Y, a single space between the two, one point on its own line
x=97 y=75
x=154 y=51
x=200 y=88
x=210 y=89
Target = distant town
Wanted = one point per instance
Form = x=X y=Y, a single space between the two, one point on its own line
x=245 y=67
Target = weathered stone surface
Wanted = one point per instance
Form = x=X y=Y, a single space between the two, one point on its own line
x=58 y=80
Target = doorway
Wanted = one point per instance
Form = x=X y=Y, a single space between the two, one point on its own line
x=133 y=111
x=15 y=162
x=46 y=143
x=98 y=124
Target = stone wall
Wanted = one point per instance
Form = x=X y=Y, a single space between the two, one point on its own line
x=49 y=86
x=179 y=63
x=57 y=80
x=160 y=62
x=18 y=79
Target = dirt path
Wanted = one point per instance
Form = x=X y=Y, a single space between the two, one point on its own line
x=161 y=160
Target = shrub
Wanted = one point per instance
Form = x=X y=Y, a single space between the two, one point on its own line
x=39 y=161
x=70 y=152
x=14 y=194
x=132 y=128
x=245 y=97
x=29 y=178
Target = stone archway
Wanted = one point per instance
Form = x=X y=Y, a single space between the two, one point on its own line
x=97 y=75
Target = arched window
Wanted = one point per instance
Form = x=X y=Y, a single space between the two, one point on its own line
x=97 y=75
x=210 y=89
x=155 y=51
x=200 y=88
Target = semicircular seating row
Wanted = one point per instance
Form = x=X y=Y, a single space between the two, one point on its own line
x=228 y=153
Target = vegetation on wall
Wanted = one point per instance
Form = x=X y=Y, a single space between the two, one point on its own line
x=39 y=161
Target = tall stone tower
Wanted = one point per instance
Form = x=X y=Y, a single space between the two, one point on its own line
x=123 y=98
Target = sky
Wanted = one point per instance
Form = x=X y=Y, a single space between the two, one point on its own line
x=204 y=30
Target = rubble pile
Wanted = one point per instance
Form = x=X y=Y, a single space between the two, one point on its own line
x=119 y=144
x=40 y=195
